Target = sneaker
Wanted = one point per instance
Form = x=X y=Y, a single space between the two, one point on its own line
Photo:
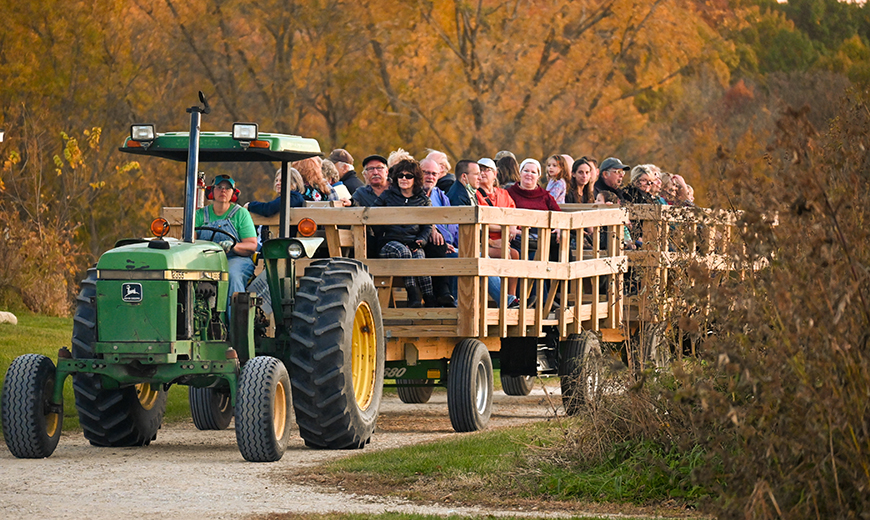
x=513 y=302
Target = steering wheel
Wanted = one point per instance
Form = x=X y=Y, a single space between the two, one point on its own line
x=216 y=230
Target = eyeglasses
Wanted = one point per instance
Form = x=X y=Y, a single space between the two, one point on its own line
x=405 y=176
x=375 y=168
x=644 y=182
x=430 y=173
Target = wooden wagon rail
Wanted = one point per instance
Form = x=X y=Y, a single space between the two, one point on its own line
x=574 y=278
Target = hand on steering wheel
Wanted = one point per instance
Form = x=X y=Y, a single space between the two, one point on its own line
x=221 y=231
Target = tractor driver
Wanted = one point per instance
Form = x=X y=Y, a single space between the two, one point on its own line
x=235 y=221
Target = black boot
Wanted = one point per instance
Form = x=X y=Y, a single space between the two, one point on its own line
x=415 y=297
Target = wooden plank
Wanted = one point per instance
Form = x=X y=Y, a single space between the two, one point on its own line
x=423 y=313
x=469 y=286
x=433 y=331
x=333 y=242
x=384 y=285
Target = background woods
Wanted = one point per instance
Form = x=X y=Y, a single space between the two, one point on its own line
x=673 y=82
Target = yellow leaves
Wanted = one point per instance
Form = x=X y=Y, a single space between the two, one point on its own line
x=93 y=136
x=97 y=185
x=13 y=159
x=128 y=167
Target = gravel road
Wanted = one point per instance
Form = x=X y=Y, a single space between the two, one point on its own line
x=187 y=473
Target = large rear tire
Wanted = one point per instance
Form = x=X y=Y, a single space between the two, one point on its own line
x=414 y=394
x=211 y=409
x=338 y=353
x=31 y=425
x=469 y=386
x=263 y=410
x=581 y=374
x=110 y=417
x=517 y=385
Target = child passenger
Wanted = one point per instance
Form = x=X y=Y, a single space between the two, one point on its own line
x=558 y=176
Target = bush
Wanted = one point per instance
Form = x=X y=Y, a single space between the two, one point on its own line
x=777 y=398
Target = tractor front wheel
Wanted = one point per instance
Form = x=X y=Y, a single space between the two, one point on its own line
x=263 y=410
x=31 y=424
x=211 y=409
x=338 y=353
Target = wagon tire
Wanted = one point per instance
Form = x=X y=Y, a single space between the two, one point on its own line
x=580 y=372
x=469 y=386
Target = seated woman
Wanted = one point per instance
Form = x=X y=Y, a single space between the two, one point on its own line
x=491 y=195
x=406 y=240
x=528 y=194
x=267 y=209
x=234 y=221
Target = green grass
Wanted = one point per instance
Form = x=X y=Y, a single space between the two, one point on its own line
x=44 y=335
x=394 y=516
x=526 y=461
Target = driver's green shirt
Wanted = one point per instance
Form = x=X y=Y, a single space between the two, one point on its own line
x=241 y=220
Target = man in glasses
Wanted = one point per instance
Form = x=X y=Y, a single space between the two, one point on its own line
x=375 y=173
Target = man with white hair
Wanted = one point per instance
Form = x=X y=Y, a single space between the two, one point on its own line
x=446 y=179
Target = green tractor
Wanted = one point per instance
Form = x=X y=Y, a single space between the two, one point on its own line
x=153 y=313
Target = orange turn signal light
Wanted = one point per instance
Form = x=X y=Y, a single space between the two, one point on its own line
x=259 y=144
x=159 y=227
x=134 y=144
x=306 y=227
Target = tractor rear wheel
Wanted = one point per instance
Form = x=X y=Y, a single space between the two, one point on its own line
x=517 y=385
x=110 y=417
x=469 y=386
x=210 y=408
x=263 y=410
x=31 y=425
x=581 y=374
x=414 y=394
x=338 y=353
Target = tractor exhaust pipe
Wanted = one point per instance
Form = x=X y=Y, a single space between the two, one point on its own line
x=188 y=234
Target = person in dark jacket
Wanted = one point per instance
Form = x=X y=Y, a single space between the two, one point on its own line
x=344 y=164
x=406 y=240
x=612 y=172
x=463 y=192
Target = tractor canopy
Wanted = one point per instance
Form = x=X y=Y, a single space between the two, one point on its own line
x=223 y=147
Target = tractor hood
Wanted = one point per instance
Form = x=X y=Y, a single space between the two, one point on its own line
x=202 y=260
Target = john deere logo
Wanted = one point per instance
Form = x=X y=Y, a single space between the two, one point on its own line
x=131 y=292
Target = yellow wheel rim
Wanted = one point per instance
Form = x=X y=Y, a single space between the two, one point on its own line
x=52 y=421
x=279 y=410
x=147 y=395
x=364 y=353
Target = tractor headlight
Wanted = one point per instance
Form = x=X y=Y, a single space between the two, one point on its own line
x=245 y=131
x=295 y=250
x=141 y=133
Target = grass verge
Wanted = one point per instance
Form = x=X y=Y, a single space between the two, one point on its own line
x=521 y=467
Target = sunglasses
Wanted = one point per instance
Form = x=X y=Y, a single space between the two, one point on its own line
x=405 y=176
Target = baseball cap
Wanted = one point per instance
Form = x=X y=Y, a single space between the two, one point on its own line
x=486 y=161
x=374 y=157
x=221 y=178
x=341 y=155
x=612 y=163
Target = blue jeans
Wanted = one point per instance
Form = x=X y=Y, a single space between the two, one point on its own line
x=241 y=269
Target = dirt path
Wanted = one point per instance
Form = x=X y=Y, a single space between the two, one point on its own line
x=186 y=473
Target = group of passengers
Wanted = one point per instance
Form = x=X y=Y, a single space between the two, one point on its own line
x=400 y=180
